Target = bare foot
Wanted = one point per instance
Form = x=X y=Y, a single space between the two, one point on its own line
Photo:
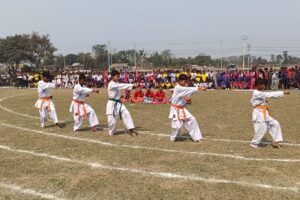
x=57 y=125
x=130 y=132
x=94 y=129
x=276 y=145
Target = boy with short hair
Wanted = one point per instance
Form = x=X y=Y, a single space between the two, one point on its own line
x=115 y=107
x=79 y=108
x=45 y=103
x=261 y=118
x=179 y=114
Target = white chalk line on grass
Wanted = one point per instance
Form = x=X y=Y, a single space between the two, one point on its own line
x=11 y=111
x=146 y=132
x=143 y=132
x=215 y=139
x=169 y=175
x=27 y=191
x=17 y=113
x=149 y=148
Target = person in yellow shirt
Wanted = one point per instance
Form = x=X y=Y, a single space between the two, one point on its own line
x=168 y=85
x=204 y=77
x=173 y=85
x=198 y=76
x=165 y=76
x=177 y=75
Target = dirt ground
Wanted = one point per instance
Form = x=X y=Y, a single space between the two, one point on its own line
x=51 y=163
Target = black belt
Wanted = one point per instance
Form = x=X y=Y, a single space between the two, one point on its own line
x=115 y=106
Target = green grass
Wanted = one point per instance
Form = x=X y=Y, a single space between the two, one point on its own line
x=220 y=114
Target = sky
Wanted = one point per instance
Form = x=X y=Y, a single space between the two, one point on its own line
x=186 y=27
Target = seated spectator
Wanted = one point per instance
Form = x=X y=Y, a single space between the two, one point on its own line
x=138 y=96
x=126 y=98
x=149 y=96
x=160 y=96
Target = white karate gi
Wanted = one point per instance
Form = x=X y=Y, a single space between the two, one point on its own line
x=262 y=123
x=79 y=94
x=43 y=92
x=191 y=123
x=114 y=109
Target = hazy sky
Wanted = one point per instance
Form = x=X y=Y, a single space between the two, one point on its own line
x=187 y=27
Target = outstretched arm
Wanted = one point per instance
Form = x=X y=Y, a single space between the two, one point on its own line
x=82 y=90
x=45 y=86
x=121 y=86
x=273 y=94
x=187 y=91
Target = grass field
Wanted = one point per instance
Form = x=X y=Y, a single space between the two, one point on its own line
x=49 y=163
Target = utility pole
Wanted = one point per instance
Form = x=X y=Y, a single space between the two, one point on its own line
x=108 y=56
x=135 y=62
x=248 y=53
x=221 y=54
x=143 y=55
x=244 y=38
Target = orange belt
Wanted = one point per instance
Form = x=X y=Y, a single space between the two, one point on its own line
x=265 y=109
x=178 y=108
x=79 y=103
x=43 y=101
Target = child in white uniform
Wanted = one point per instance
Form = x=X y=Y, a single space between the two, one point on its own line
x=44 y=102
x=179 y=114
x=262 y=121
x=79 y=108
x=115 y=107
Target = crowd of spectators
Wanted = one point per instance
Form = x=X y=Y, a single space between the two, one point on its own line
x=284 y=78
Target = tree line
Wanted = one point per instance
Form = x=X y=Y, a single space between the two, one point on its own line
x=38 y=50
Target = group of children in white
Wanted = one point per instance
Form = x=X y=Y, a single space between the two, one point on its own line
x=179 y=115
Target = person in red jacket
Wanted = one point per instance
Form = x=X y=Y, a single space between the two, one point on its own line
x=138 y=96
x=160 y=96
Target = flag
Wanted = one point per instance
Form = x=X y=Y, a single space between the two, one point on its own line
x=105 y=78
x=125 y=76
x=153 y=77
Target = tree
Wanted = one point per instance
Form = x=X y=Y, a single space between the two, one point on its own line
x=86 y=60
x=166 y=57
x=41 y=49
x=59 y=60
x=156 y=59
x=34 y=48
x=71 y=59
x=202 y=60
x=273 y=59
x=279 y=59
x=101 y=55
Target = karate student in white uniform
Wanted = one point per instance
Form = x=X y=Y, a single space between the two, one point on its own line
x=261 y=118
x=115 y=107
x=44 y=102
x=179 y=114
x=79 y=108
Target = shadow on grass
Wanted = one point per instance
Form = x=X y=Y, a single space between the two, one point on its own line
x=183 y=137
x=62 y=125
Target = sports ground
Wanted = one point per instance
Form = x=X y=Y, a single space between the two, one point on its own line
x=53 y=163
